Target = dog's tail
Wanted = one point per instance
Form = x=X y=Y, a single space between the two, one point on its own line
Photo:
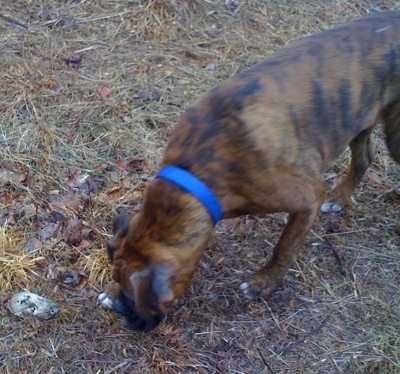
x=391 y=124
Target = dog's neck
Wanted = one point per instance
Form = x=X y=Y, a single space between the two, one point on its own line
x=173 y=215
x=193 y=185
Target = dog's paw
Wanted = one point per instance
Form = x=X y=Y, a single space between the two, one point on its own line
x=105 y=301
x=251 y=292
x=261 y=285
x=109 y=295
x=248 y=291
x=331 y=206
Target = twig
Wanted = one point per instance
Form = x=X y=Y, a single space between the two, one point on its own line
x=265 y=361
x=13 y=21
x=342 y=270
x=304 y=340
x=328 y=242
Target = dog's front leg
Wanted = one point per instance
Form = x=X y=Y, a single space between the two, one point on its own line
x=269 y=277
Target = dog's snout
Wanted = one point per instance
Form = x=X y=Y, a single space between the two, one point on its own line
x=124 y=306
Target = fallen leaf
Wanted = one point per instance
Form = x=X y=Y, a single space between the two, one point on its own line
x=74 y=62
x=233 y=225
x=5 y=298
x=147 y=97
x=48 y=83
x=127 y=183
x=113 y=190
x=10 y=220
x=182 y=82
x=85 y=244
x=52 y=272
x=9 y=177
x=57 y=216
x=29 y=210
x=70 y=277
x=114 y=177
x=77 y=177
x=49 y=231
x=219 y=260
x=54 y=192
x=135 y=164
x=73 y=233
x=66 y=205
x=104 y=92
x=66 y=21
x=5 y=199
x=33 y=245
x=373 y=175
x=66 y=278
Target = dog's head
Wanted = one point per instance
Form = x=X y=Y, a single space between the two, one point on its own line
x=156 y=253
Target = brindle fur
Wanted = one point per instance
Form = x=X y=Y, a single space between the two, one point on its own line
x=260 y=141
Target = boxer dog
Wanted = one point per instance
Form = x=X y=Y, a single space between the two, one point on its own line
x=258 y=144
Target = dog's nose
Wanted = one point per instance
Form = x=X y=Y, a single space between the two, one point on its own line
x=125 y=307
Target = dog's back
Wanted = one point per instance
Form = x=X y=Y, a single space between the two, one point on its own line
x=319 y=92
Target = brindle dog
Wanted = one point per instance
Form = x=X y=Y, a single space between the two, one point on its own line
x=260 y=142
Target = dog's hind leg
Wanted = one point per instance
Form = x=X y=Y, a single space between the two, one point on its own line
x=268 y=278
x=391 y=125
x=361 y=157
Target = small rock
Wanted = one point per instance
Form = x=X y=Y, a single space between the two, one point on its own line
x=215 y=30
x=211 y=67
x=28 y=305
x=232 y=5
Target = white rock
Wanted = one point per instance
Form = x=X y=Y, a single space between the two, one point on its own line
x=27 y=305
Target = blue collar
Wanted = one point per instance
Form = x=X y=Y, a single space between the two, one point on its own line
x=190 y=183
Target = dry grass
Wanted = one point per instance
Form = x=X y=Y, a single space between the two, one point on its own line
x=89 y=92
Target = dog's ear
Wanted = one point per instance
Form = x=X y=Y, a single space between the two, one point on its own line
x=162 y=276
x=151 y=288
x=120 y=229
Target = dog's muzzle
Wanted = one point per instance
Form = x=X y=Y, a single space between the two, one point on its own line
x=125 y=307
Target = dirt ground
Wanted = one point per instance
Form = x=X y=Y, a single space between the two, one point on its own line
x=89 y=93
